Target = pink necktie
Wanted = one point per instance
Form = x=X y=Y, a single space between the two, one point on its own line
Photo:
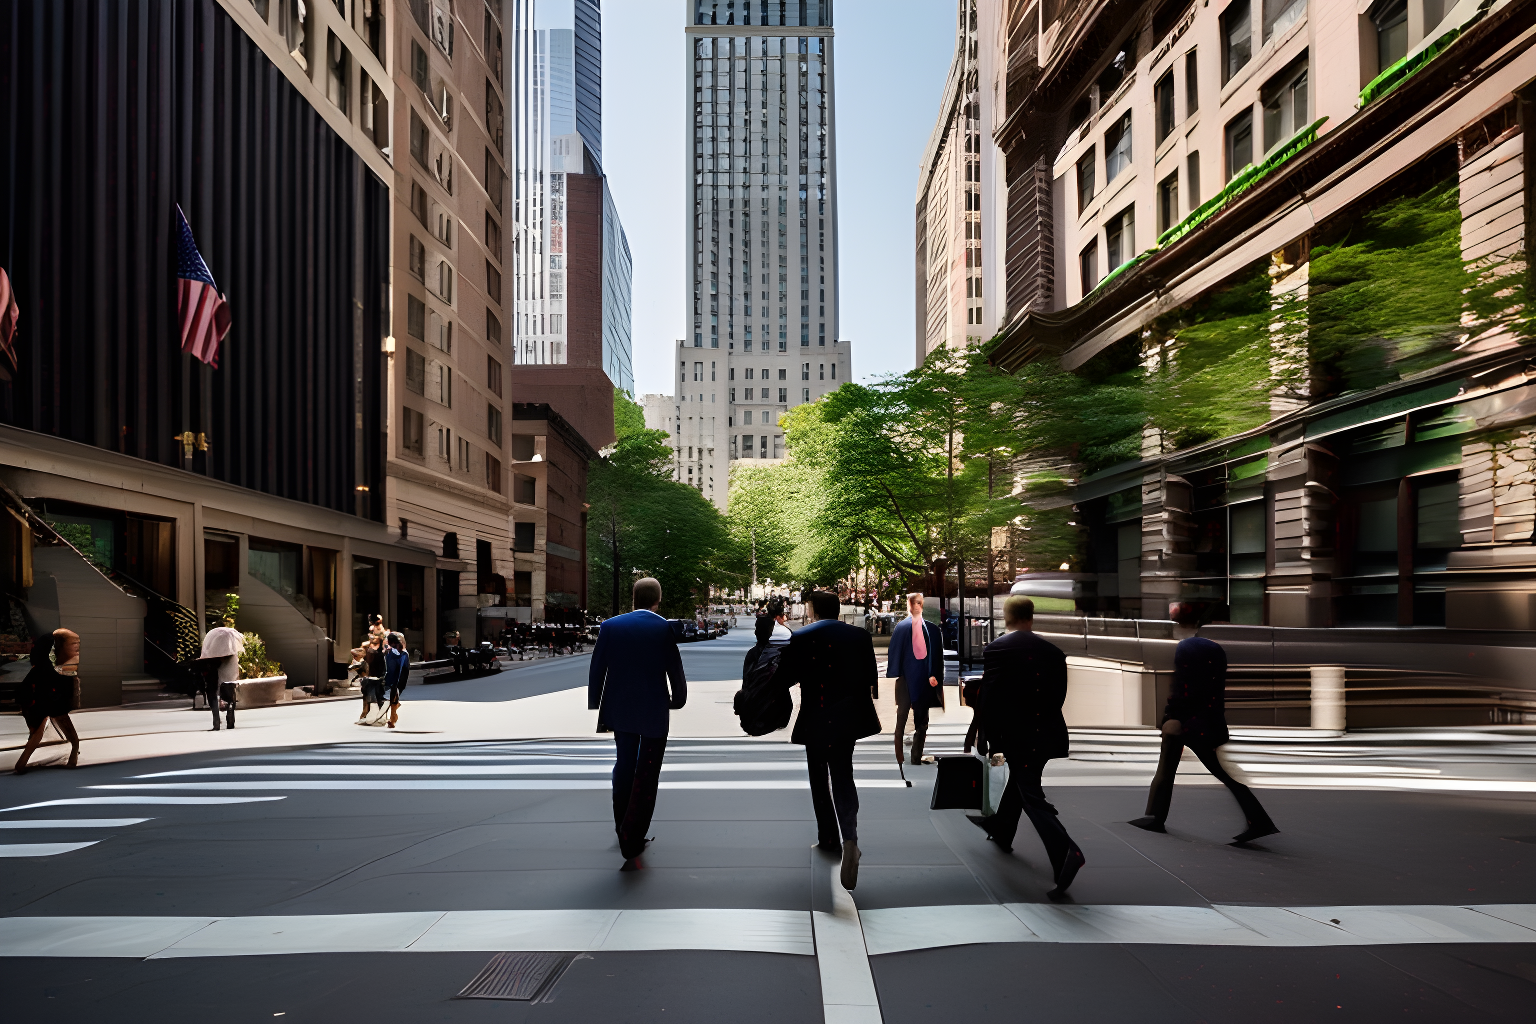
x=919 y=641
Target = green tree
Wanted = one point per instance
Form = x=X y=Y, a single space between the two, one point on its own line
x=642 y=523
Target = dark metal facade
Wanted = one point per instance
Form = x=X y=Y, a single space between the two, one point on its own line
x=112 y=113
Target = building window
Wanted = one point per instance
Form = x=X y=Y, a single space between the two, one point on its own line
x=1280 y=15
x=338 y=77
x=419 y=203
x=1120 y=238
x=747 y=443
x=524 y=489
x=783 y=396
x=822 y=371
x=1088 y=266
x=292 y=22
x=415 y=371
x=1085 y=183
x=1117 y=148
x=522 y=536
x=493 y=376
x=732 y=392
x=371 y=13
x=805 y=371
x=1167 y=202
x=439 y=332
x=1162 y=100
x=1236 y=38
x=492 y=330
x=491 y=45
x=419 y=68
x=495 y=114
x=416 y=317
x=746 y=418
x=492 y=281
x=1239 y=142
x=445 y=281
x=493 y=423
x=523 y=447
x=1391 y=20
x=419 y=139
x=493 y=237
x=747 y=397
x=1191 y=84
x=412 y=426
x=1284 y=99
x=492 y=473
x=493 y=179
x=375 y=112
x=1192 y=181
x=805 y=394
x=418 y=259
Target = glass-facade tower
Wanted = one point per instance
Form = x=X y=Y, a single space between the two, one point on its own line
x=762 y=198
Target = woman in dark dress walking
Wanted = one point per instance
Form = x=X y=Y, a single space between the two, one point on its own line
x=48 y=694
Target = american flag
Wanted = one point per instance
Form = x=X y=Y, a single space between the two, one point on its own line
x=9 y=315
x=204 y=313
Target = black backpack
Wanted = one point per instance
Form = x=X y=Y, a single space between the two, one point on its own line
x=762 y=704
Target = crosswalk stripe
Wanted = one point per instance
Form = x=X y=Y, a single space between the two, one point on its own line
x=354 y=785
x=505 y=769
x=42 y=849
x=73 y=822
x=76 y=801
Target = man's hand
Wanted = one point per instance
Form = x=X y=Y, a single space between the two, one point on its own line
x=933 y=681
x=1173 y=727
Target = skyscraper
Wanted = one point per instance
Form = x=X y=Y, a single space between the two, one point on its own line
x=762 y=193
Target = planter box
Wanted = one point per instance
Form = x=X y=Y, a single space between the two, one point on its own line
x=259 y=693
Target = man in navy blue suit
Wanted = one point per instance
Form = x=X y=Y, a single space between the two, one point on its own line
x=834 y=663
x=635 y=657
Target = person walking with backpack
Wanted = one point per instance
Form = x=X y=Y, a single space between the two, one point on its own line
x=635 y=658
x=763 y=704
x=1196 y=716
x=834 y=663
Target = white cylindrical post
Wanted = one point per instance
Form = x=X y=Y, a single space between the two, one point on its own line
x=1328 y=697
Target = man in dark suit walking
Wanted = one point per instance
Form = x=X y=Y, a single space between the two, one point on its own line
x=1022 y=690
x=1196 y=717
x=635 y=657
x=834 y=663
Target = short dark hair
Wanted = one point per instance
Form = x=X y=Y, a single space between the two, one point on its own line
x=1018 y=608
x=774 y=607
x=647 y=592
x=824 y=603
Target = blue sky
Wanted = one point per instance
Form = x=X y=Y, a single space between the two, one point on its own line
x=891 y=59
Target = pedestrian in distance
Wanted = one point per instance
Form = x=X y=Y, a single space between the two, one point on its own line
x=633 y=662
x=1024 y=684
x=225 y=643
x=834 y=664
x=763 y=704
x=1195 y=717
x=397 y=672
x=916 y=659
x=374 y=669
x=48 y=693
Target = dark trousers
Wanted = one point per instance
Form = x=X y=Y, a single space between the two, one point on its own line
x=1160 y=797
x=1024 y=795
x=636 y=775
x=919 y=722
x=837 y=804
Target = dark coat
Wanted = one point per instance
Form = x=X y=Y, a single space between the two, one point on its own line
x=635 y=657
x=915 y=674
x=397 y=669
x=1022 y=689
x=45 y=693
x=1198 y=696
x=834 y=663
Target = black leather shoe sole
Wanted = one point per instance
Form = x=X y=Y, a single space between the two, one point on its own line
x=1069 y=870
x=1148 y=824
x=1255 y=832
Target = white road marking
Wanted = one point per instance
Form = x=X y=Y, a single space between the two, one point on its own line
x=73 y=822
x=358 y=785
x=478 y=769
x=77 y=801
x=42 y=849
x=848 y=993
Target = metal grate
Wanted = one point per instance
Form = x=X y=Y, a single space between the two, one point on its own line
x=515 y=976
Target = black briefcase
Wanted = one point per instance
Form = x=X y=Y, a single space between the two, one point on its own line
x=958 y=784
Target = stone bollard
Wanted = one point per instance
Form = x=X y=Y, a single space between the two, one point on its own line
x=1328 y=710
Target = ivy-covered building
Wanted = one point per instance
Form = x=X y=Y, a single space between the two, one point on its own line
x=1278 y=250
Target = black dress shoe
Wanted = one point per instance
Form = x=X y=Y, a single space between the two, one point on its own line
x=1148 y=824
x=1069 y=869
x=829 y=845
x=1255 y=832
x=985 y=825
x=631 y=864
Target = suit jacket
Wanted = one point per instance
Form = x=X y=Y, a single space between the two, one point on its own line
x=900 y=664
x=397 y=669
x=834 y=663
x=1023 y=686
x=635 y=656
x=1198 y=696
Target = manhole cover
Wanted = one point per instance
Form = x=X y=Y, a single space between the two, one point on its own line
x=515 y=976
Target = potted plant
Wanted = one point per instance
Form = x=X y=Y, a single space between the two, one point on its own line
x=262 y=680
